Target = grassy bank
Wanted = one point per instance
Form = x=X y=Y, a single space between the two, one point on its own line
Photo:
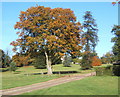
x=96 y=85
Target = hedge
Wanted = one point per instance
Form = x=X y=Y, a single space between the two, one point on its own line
x=104 y=70
x=116 y=69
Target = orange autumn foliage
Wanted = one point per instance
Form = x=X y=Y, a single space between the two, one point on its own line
x=53 y=32
x=21 y=60
x=96 y=61
x=45 y=28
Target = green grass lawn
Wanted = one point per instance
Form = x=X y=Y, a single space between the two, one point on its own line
x=11 y=80
x=96 y=85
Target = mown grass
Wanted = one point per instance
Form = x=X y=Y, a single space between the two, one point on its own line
x=22 y=76
x=96 y=85
x=11 y=80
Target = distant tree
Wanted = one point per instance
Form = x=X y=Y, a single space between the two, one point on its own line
x=67 y=61
x=52 y=31
x=116 y=40
x=1 y=58
x=4 y=59
x=76 y=60
x=108 y=58
x=7 y=58
x=21 y=60
x=13 y=66
x=91 y=38
x=96 y=61
x=103 y=60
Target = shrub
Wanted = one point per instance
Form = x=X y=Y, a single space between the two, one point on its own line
x=39 y=62
x=13 y=66
x=86 y=61
x=116 y=69
x=96 y=61
x=67 y=61
x=104 y=70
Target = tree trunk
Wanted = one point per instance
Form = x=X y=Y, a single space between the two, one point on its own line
x=48 y=62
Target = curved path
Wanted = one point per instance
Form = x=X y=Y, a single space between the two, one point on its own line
x=42 y=85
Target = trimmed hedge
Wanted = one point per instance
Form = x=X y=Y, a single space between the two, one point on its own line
x=104 y=70
x=116 y=69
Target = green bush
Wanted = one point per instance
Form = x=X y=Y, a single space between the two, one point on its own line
x=67 y=61
x=86 y=61
x=39 y=62
x=116 y=69
x=104 y=70
x=13 y=66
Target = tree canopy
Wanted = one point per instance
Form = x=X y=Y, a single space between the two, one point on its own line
x=91 y=39
x=116 y=40
x=4 y=59
x=108 y=58
x=52 y=31
x=90 y=32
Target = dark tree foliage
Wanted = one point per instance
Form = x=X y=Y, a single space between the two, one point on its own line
x=116 y=40
x=57 y=61
x=91 y=38
x=39 y=62
x=90 y=32
x=1 y=58
x=4 y=59
x=116 y=49
x=108 y=58
x=86 y=61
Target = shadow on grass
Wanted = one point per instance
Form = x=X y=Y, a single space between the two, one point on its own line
x=55 y=72
x=17 y=72
x=4 y=69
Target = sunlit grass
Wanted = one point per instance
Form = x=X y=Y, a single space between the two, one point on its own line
x=96 y=85
x=23 y=76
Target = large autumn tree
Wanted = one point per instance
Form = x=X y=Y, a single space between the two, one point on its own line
x=91 y=38
x=53 y=32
